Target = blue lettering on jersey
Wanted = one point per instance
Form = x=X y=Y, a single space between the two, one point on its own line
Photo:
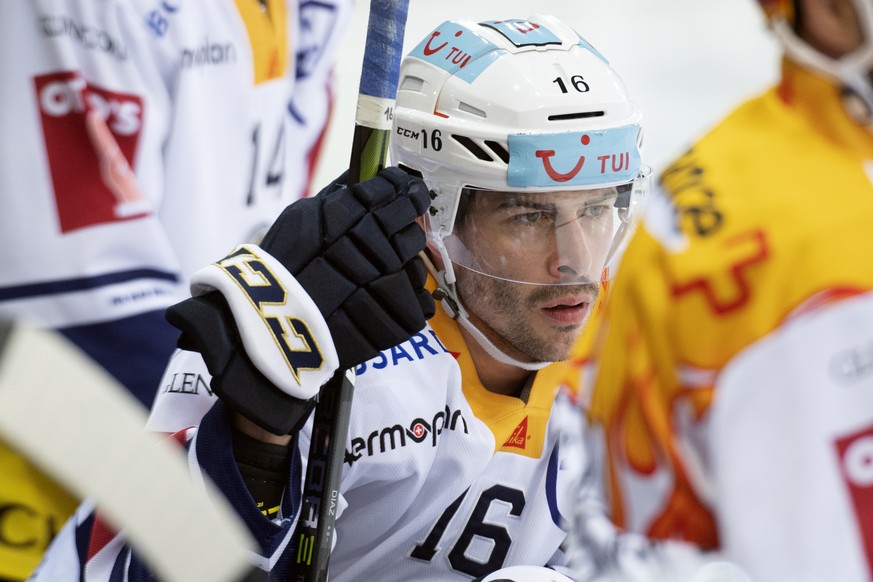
x=420 y=346
x=582 y=158
x=158 y=19
x=398 y=353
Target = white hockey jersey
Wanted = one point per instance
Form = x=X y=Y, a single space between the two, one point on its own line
x=216 y=106
x=442 y=480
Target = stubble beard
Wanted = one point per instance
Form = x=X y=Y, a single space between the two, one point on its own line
x=507 y=308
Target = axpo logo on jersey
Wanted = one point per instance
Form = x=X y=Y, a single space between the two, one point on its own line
x=63 y=99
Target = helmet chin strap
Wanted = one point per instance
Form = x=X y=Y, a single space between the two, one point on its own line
x=448 y=296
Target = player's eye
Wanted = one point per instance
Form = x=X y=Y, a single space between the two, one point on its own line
x=596 y=211
x=528 y=217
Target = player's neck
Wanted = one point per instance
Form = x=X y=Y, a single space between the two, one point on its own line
x=494 y=375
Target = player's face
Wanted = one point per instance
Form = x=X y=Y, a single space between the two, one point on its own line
x=557 y=241
x=543 y=238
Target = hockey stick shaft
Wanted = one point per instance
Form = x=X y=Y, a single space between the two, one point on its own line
x=375 y=110
x=378 y=88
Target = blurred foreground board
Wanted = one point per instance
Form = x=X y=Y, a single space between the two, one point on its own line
x=72 y=419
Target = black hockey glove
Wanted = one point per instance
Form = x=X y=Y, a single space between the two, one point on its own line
x=336 y=279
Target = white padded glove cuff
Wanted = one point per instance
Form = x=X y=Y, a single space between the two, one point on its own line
x=282 y=330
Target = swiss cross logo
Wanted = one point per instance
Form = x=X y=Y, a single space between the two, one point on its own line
x=518 y=438
x=90 y=161
x=855 y=452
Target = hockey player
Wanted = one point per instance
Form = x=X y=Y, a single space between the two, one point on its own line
x=462 y=455
x=195 y=101
x=733 y=378
x=141 y=139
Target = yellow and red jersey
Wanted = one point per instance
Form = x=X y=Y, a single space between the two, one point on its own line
x=732 y=373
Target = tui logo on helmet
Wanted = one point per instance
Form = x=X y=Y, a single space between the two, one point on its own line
x=615 y=151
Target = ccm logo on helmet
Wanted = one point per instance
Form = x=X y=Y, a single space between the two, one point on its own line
x=432 y=140
x=403 y=132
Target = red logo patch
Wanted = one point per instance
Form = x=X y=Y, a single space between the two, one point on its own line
x=518 y=438
x=90 y=167
x=856 y=462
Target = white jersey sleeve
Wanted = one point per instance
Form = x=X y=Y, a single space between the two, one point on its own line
x=184 y=394
x=795 y=441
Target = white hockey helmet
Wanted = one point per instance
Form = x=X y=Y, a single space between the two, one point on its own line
x=851 y=71
x=524 y=574
x=527 y=119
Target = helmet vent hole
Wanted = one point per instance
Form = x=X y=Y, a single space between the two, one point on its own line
x=498 y=149
x=579 y=115
x=411 y=83
x=410 y=171
x=473 y=147
x=467 y=108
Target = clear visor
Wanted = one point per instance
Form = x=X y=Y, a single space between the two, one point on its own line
x=544 y=238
